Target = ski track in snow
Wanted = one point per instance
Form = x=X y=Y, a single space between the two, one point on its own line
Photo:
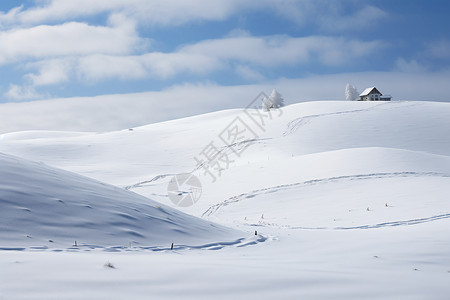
x=292 y=127
x=144 y=183
x=213 y=209
x=295 y=124
x=228 y=150
x=224 y=152
x=374 y=226
x=400 y=223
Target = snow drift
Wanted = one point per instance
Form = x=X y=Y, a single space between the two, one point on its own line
x=41 y=207
x=352 y=196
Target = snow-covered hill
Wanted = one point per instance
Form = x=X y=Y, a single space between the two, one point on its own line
x=309 y=141
x=42 y=207
x=353 y=198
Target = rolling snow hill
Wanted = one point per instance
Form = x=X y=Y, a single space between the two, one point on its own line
x=351 y=199
x=42 y=207
x=309 y=141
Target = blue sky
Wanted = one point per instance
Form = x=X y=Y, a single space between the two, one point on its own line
x=59 y=48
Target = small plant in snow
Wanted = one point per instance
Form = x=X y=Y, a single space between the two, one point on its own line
x=109 y=265
x=275 y=100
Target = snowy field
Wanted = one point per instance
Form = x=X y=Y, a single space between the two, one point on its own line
x=348 y=200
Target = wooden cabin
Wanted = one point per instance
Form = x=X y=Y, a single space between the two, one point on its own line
x=373 y=94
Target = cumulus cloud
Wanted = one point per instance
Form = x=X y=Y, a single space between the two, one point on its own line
x=10 y=16
x=18 y=93
x=246 y=53
x=162 y=12
x=51 y=71
x=54 y=40
x=114 y=112
x=277 y=50
x=332 y=15
x=248 y=73
x=164 y=65
x=117 y=51
x=101 y=66
x=69 y=39
x=156 y=65
x=213 y=55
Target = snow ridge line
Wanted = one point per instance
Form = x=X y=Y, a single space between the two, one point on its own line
x=213 y=209
x=239 y=243
x=295 y=124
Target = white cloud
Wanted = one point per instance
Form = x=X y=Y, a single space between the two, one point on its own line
x=330 y=16
x=69 y=39
x=10 y=16
x=51 y=71
x=278 y=50
x=164 y=12
x=114 y=112
x=339 y=21
x=213 y=55
x=248 y=73
x=17 y=93
x=100 y=66
x=78 y=51
x=411 y=66
x=245 y=52
x=440 y=49
x=164 y=65
x=156 y=65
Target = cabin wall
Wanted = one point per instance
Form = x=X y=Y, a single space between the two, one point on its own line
x=371 y=97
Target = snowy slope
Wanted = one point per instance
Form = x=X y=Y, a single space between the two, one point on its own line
x=45 y=207
x=309 y=141
x=346 y=192
x=353 y=197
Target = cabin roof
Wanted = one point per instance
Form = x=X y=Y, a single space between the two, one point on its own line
x=368 y=91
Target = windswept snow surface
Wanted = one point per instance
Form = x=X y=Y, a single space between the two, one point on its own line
x=42 y=207
x=350 y=200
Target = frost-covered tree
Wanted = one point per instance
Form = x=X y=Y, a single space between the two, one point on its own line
x=275 y=100
x=266 y=103
x=351 y=93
